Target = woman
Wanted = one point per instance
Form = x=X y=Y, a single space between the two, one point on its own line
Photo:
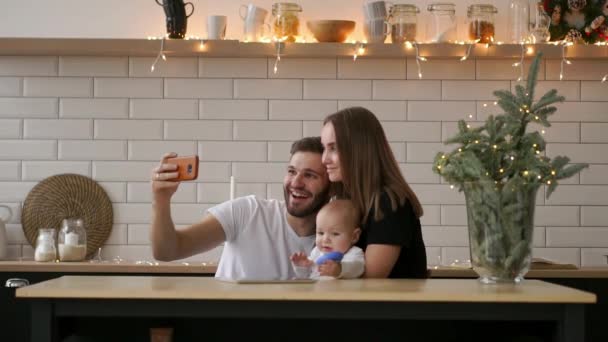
x=361 y=166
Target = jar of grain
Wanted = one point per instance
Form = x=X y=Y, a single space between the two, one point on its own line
x=481 y=22
x=72 y=240
x=403 y=22
x=45 y=245
x=286 y=24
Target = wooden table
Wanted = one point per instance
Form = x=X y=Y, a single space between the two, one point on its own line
x=404 y=299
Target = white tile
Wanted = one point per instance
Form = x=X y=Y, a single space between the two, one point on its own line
x=316 y=68
x=423 y=152
x=594 y=257
x=419 y=174
x=141 y=192
x=26 y=107
x=471 y=90
x=128 y=129
x=455 y=256
x=92 y=150
x=441 y=69
x=57 y=86
x=11 y=86
x=406 y=90
x=398 y=149
x=198 y=130
x=10 y=129
x=487 y=108
x=267 y=89
x=15 y=235
x=440 y=110
x=28 y=150
x=220 y=192
x=188 y=213
x=595 y=174
x=577 y=237
x=580 y=69
x=10 y=170
x=580 y=111
x=123 y=171
x=412 y=131
x=232 y=151
x=138 y=234
x=431 y=215
x=571 y=90
x=234 y=109
x=128 y=87
x=579 y=153
x=163 y=109
x=437 y=194
x=275 y=191
x=267 y=130
x=433 y=256
x=311 y=128
x=594 y=132
x=594 y=216
x=579 y=195
x=126 y=252
x=503 y=69
x=560 y=255
x=125 y=213
x=556 y=216
x=186 y=88
x=453 y=215
x=16 y=213
x=93 y=66
x=383 y=110
x=559 y=132
x=154 y=150
x=214 y=172
x=259 y=172
x=453 y=236
x=593 y=91
x=15 y=191
x=301 y=110
x=373 y=69
x=94 y=108
x=337 y=89
x=57 y=129
x=118 y=235
x=279 y=151
x=116 y=191
x=39 y=170
x=28 y=66
x=172 y=67
x=232 y=67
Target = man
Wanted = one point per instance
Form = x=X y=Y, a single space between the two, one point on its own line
x=260 y=234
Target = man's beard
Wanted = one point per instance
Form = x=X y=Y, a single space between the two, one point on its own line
x=318 y=201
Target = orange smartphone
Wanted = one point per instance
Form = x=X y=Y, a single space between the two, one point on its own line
x=187 y=167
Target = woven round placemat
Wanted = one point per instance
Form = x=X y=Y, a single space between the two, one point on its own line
x=68 y=195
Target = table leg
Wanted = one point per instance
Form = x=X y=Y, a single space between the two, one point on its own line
x=42 y=321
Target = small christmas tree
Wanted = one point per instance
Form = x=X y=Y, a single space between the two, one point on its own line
x=501 y=150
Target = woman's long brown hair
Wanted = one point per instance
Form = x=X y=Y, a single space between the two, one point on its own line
x=367 y=163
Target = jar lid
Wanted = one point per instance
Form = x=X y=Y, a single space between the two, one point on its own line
x=407 y=8
x=482 y=8
x=442 y=7
x=286 y=6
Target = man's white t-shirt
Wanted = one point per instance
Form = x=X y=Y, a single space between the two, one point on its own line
x=259 y=241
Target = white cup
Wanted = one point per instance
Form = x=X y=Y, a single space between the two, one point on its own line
x=253 y=22
x=375 y=10
x=376 y=30
x=252 y=13
x=216 y=26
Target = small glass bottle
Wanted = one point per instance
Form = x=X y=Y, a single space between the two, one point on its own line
x=286 y=25
x=517 y=22
x=481 y=23
x=403 y=21
x=45 y=245
x=72 y=240
x=539 y=23
x=442 y=26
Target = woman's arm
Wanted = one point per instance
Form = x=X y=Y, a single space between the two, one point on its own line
x=380 y=259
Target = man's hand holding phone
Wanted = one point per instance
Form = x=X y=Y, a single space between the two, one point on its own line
x=171 y=170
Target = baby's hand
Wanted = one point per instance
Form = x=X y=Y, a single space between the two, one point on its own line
x=300 y=259
x=330 y=268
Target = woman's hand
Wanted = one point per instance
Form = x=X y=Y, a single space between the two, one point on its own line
x=300 y=259
x=162 y=186
x=330 y=268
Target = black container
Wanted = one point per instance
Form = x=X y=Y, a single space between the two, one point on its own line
x=176 y=17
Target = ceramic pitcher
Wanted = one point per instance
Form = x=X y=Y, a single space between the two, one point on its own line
x=3 y=235
x=176 y=17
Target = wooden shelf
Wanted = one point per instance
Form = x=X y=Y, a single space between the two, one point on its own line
x=233 y=48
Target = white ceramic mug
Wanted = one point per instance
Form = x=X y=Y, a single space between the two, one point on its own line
x=376 y=30
x=252 y=13
x=375 y=10
x=3 y=235
x=216 y=26
x=253 y=22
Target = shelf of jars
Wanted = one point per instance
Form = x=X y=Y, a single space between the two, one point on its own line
x=234 y=48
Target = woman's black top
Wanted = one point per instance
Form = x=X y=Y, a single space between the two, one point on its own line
x=400 y=228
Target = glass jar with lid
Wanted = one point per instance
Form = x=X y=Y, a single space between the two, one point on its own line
x=442 y=26
x=403 y=22
x=286 y=23
x=45 y=245
x=481 y=22
x=72 y=240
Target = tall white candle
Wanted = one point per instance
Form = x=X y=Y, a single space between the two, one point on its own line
x=231 y=188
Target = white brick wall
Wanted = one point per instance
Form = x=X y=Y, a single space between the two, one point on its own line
x=110 y=118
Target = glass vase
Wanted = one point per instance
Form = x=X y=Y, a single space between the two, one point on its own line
x=501 y=225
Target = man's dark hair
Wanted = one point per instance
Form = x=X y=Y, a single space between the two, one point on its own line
x=307 y=144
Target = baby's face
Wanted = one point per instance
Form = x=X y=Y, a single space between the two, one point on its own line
x=333 y=235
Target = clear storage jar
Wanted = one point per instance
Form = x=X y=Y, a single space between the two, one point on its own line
x=72 y=240
x=481 y=22
x=442 y=26
x=403 y=20
x=45 y=245
x=286 y=23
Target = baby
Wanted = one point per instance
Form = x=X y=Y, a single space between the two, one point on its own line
x=337 y=231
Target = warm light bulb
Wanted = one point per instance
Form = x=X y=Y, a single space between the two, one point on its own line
x=408 y=45
x=530 y=50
